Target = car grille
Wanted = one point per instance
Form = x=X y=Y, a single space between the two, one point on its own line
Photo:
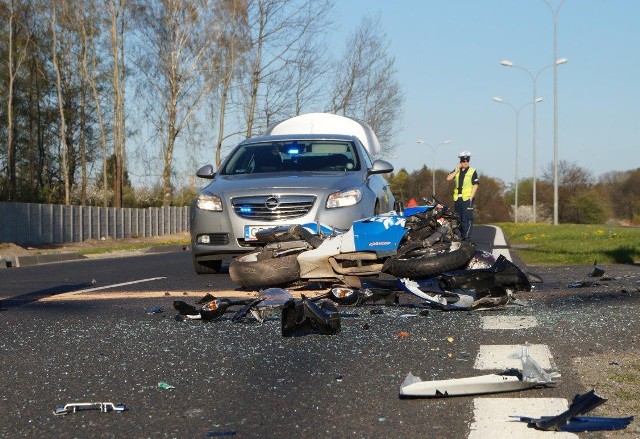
x=271 y=208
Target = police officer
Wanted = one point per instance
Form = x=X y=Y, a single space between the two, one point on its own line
x=464 y=189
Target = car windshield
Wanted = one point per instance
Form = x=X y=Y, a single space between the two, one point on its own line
x=292 y=156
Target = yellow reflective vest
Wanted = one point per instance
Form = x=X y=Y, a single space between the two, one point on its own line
x=467 y=185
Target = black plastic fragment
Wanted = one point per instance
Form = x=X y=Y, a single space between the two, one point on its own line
x=304 y=317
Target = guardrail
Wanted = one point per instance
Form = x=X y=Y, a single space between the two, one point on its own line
x=30 y=223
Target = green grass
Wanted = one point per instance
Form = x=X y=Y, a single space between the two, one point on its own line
x=573 y=244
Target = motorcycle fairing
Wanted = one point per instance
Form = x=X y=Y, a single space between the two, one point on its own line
x=532 y=375
x=381 y=234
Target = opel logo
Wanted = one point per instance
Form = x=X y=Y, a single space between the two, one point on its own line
x=272 y=203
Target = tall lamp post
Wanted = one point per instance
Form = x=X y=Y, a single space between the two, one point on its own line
x=433 y=169
x=517 y=112
x=555 y=12
x=534 y=79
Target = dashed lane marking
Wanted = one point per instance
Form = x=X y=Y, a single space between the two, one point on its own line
x=500 y=357
x=499 y=241
x=492 y=418
x=509 y=322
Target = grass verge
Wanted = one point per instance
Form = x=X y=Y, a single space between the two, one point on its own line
x=573 y=244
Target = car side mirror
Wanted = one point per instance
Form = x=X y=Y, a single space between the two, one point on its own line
x=380 y=167
x=206 y=172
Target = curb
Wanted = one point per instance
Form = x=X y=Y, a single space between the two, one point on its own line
x=26 y=261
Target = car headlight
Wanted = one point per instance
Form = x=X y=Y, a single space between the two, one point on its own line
x=209 y=202
x=344 y=198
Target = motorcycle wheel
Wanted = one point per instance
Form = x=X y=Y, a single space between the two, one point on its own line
x=429 y=265
x=250 y=271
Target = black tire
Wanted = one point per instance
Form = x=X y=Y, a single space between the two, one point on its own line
x=206 y=267
x=430 y=265
x=248 y=271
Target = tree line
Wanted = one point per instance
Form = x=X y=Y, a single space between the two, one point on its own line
x=82 y=79
x=89 y=87
x=582 y=197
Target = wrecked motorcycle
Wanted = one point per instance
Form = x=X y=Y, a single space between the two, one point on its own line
x=418 y=243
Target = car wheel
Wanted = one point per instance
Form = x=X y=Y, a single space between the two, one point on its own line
x=249 y=271
x=206 y=267
x=429 y=265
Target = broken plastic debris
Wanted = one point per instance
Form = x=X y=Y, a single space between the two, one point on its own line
x=304 y=317
x=155 y=310
x=403 y=334
x=77 y=406
x=532 y=375
x=570 y=421
x=450 y=339
x=165 y=385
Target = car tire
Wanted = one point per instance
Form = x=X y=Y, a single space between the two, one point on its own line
x=248 y=271
x=207 y=267
x=429 y=265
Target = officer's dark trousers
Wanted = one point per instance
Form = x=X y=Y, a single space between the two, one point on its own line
x=465 y=213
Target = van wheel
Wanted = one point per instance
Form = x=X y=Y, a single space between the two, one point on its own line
x=206 y=267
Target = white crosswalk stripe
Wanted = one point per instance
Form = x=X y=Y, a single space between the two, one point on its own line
x=492 y=418
x=500 y=357
x=509 y=322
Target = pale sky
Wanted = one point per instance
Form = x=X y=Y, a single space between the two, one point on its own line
x=448 y=55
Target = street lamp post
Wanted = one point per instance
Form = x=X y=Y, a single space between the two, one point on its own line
x=517 y=112
x=433 y=169
x=555 y=12
x=534 y=79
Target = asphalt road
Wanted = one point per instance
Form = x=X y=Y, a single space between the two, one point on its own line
x=249 y=380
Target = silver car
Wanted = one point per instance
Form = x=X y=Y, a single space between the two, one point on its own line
x=279 y=180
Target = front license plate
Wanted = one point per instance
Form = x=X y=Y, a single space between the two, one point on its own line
x=250 y=231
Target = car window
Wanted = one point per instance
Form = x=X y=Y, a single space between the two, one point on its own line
x=293 y=156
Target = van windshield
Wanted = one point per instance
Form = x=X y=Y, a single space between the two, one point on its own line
x=293 y=156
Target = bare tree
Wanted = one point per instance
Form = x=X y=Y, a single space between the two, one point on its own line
x=179 y=34
x=277 y=27
x=15 y=58
x=63 y=126
x=88 y=30
x=232 y=17
x=365 y=86
x=117 y=25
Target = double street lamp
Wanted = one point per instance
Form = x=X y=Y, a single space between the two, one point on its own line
x=517 y=112
x=534 y=79
x=433 y=169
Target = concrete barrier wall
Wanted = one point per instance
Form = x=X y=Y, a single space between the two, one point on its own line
x=30 y=223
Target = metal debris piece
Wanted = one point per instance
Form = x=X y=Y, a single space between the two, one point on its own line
x=77 y=406
x=570 y=421
x=598 y=271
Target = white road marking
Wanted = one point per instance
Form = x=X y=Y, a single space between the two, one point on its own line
x=106 y=287
x=500 y=241
x=492 y=418
x=88 y=290
x=500 y=357
x=509 y=322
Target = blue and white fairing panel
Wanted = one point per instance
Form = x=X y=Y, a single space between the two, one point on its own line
x=381 y=234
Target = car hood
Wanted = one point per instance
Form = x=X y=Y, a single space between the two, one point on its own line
x=302 y=180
